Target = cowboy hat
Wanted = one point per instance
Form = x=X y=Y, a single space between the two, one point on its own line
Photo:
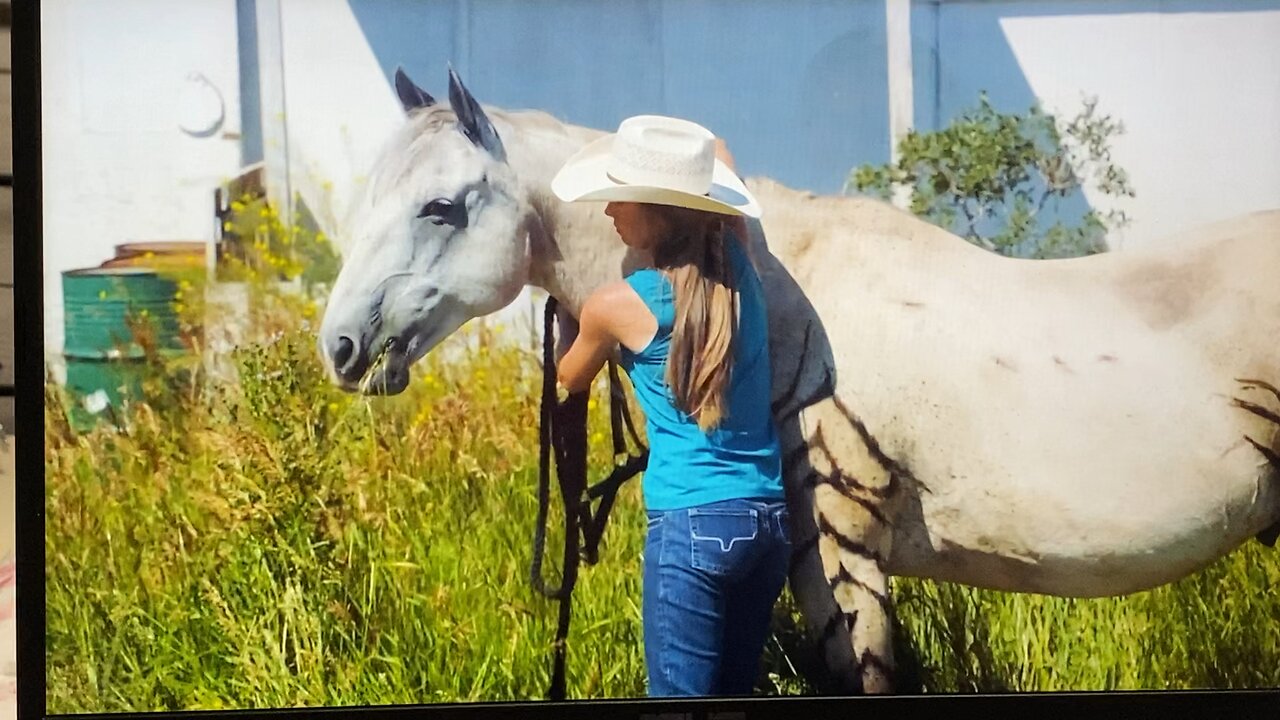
x=655 y=159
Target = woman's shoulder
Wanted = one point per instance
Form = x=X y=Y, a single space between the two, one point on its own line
x=614 y=299
x=618 y=310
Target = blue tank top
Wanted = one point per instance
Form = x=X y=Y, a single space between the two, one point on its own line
x=741 y=457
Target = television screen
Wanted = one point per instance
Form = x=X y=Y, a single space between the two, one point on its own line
x=791 y=354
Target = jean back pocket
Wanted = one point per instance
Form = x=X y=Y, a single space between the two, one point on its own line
x=723 y=539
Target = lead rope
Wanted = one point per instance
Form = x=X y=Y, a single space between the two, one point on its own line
x=563 y=432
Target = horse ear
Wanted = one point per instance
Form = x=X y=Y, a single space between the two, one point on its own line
x=471 y=118
x=412 y=97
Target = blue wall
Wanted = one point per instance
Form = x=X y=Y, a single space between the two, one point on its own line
x=250 y=92
x=797 y=87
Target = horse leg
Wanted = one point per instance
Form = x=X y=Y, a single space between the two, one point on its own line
x=853 y=493
x=807 y=578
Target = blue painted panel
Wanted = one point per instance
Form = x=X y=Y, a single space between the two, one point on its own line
x=250 y=92
x=584 y=62
x=924 y=65
x=420 y=35
x=798 y=88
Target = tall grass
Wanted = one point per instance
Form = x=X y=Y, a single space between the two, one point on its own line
x=278 y=543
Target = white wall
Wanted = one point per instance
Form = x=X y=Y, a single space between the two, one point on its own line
x=117 y=166
x=1198 y=93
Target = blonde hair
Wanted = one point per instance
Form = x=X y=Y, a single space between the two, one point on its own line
x=693 y=257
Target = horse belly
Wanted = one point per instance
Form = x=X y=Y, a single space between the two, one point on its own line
x=1082 y=461
x=1097 y=498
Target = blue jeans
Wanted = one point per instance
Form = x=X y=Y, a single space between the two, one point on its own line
x=711 y=576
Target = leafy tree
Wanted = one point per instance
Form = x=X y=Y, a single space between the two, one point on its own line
x=1000 y=179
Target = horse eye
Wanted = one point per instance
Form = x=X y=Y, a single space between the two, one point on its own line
x=440 y=209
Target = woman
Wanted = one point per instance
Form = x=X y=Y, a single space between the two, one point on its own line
x=693 y=334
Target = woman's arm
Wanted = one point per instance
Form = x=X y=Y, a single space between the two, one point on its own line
x=590 y=349
x=613 y=316
x=736 y=223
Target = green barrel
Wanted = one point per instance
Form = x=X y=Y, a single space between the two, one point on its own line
x=104 y=362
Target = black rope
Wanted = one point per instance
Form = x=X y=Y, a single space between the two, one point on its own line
x=564 y=433
x=544 y=439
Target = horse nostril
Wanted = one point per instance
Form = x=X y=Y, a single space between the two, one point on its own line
x=349 y=360
x=346 y=349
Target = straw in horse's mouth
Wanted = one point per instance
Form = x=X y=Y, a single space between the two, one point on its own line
x=378 y=366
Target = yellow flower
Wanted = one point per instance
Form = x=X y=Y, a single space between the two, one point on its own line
x=226 y=226
x=237 y=206
x=333 y=407
x=179 y=307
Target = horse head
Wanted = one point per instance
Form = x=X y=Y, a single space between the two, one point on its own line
x=437 y=241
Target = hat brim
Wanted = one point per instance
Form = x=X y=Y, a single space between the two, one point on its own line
x=585 y=178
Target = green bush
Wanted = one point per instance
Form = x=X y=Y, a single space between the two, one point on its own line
x=1000 y=179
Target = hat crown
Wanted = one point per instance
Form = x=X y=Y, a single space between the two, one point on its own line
x=663 y=152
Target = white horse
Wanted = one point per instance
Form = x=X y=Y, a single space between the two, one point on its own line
x=1083 y=427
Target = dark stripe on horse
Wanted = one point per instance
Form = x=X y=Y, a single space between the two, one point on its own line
x=1271 y=455
x=848 y=492
x=884 y=493
x=1258 y=410
x=894 y=467
x=844 y=576
x=1260 y=384
x=833 y=624
x=848 y=543
x=870 y=658
x=820 y=442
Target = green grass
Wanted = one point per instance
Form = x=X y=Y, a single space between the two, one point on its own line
x=282 y=544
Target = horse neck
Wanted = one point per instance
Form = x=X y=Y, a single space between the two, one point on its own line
x=573 y=247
